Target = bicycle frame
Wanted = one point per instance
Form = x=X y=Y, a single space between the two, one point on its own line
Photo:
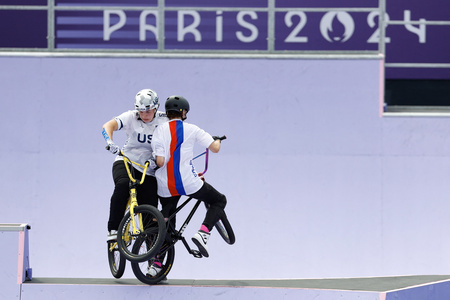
x=178 y=234
x=132 y=202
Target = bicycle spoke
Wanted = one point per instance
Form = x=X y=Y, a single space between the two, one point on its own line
x=149 y=226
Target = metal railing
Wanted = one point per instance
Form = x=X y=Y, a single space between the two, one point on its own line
x=270 y=51
x=162 y=50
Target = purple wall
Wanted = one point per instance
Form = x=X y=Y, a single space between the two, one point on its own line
x=318 y=184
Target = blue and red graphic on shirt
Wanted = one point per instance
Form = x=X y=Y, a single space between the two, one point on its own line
x=174 y=180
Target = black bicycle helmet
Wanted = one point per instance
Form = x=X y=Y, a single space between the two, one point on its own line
x=177 y=103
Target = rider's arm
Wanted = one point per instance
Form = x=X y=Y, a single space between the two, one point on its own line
x=215 y=146
x=160 y=161
x=109 y=127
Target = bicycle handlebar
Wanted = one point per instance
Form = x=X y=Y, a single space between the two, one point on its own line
x=206 y=152
x=221 y=138
x=130 y=171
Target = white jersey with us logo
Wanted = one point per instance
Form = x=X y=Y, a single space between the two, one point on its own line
x=139 y=136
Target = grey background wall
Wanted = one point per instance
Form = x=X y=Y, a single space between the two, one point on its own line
x=318 y=184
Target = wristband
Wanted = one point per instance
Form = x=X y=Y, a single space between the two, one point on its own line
x=106 y=136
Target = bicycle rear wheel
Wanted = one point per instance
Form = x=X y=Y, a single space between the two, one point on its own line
x=116 y=260
x=152 y=233
x=225 y=230
x=140 y=268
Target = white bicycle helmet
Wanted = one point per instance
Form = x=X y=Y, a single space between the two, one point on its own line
x=146 y=99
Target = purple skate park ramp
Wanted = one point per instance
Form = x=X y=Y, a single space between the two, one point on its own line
x=376 y=288
x=328 y=200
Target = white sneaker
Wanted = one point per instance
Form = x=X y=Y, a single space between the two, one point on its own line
x=153 y=270
x=112 y=236
x=200 y=239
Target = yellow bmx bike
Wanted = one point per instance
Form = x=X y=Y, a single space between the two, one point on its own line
x=140 y=222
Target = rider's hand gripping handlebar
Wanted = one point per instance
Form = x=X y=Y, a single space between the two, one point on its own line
x=215 y=137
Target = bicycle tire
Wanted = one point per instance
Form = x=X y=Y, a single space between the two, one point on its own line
x=140 y=268
x=116 y=260
x=225 y=230
x=153 y=233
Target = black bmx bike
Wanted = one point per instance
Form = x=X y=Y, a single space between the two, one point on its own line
x=165 y=254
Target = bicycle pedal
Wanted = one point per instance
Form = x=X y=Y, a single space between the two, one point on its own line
x=196 y=253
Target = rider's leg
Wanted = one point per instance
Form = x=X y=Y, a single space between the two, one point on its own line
x=169 y=206
x=120 y=195
x=147 y=192
x=217 y=203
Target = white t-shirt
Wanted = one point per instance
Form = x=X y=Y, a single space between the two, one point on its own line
x=139 y=136
x=175 y=142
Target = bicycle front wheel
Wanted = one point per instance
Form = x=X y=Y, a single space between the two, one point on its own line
x=150 y=228
x=116 y=260
x=140 y=269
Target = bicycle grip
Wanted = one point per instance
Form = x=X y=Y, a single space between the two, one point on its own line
x=120 y=152
x=223 y=137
